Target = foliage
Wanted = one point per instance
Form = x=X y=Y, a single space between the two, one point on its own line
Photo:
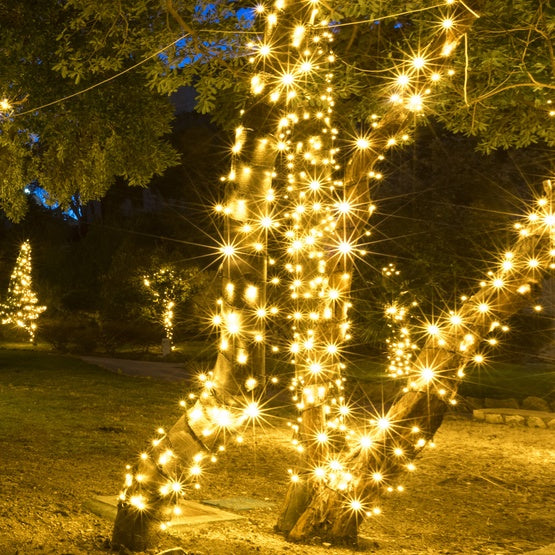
x=70 y=331
x=500 y=90
x=129 y=312
x=82 y=145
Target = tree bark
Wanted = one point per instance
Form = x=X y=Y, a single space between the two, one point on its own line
x=144 y=506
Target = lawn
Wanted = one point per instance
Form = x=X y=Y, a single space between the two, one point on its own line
x=68 y=428
x=499 y=380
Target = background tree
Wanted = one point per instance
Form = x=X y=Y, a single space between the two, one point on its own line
x=20 y=306
x=168 y=287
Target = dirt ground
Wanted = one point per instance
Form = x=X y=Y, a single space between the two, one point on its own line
x=483 y=489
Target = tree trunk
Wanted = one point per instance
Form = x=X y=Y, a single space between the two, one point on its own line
x=325 y=513
x=155 y=484
x=328 y=510
x=133 y=529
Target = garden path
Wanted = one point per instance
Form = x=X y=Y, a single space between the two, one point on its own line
x=172 y=371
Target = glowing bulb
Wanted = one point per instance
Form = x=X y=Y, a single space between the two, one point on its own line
x=227 y=250
x=264 y=50
x=455 y=319
x=343 y=207
x=415 y=103
x=319 y=472
x=315 y=368
x=138 y=501
x=257 y=86
x=427 y=374
x=287 y=79
x=252 y=410
x=365 y=442
x=322 y=437
x=251 y=293
x=165 y=457
x=266 y=222
x=383 y=423
x=335 y=465
x=233 y=323
x=344 y=247
x=418 y=62
x=298 y=34
x=251 y=383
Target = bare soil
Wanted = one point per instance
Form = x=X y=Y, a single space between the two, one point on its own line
x=484 y=489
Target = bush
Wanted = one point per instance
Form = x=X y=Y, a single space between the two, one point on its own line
x=70 y=332
x=115 y=334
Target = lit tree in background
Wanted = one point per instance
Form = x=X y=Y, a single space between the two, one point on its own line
x=166 y=288
x=400 y=347
x=21 y=306
x=295 y=227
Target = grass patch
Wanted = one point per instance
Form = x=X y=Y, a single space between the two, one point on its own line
x=499 y=380
x=503 y=380
x=42 y=393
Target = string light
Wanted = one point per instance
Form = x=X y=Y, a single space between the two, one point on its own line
x=21 y=306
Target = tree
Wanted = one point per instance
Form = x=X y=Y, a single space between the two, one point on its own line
x=288 y=190
x=21 y=306
x=81 y=145
x=168 y=287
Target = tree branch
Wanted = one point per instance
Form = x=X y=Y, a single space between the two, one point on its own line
x=187 y=28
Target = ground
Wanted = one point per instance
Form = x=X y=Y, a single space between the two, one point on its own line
x=484 y=488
